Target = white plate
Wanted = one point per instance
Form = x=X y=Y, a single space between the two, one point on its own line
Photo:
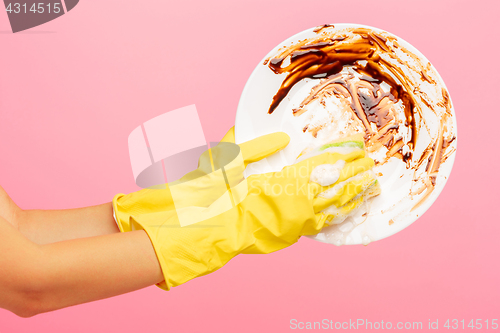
x=395 y=208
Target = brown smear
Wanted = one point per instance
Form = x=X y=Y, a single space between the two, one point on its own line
x=323 y=27
x=353 y=64
x=326 y=56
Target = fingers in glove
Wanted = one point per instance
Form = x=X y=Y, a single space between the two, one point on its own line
x=229 y=137
x=355 y=167
x=307 y=166
x=263 y=146
x=349 y=170
x=341 y=193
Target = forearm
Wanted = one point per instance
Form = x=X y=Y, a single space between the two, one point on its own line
x=50 y=226
x=89 y=269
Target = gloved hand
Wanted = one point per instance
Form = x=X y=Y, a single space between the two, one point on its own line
x=207 y=185
x=275 y=210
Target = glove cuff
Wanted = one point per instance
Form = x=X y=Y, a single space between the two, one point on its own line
x=122 y=220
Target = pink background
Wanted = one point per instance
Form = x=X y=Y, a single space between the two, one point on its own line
x=73 y=89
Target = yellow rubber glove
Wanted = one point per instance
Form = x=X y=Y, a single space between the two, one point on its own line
x=208 y=186
x=274 y=211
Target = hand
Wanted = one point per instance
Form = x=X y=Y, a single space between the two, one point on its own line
x=8 y=209
x=271 y=212
x=204 y=185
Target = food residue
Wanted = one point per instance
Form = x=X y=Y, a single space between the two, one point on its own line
x=387 y=93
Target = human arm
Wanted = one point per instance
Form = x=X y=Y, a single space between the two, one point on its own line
x=8 y=209
x=39 y=278
x=50 y=226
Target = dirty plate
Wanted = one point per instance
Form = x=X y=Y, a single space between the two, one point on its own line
x=334 y=80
